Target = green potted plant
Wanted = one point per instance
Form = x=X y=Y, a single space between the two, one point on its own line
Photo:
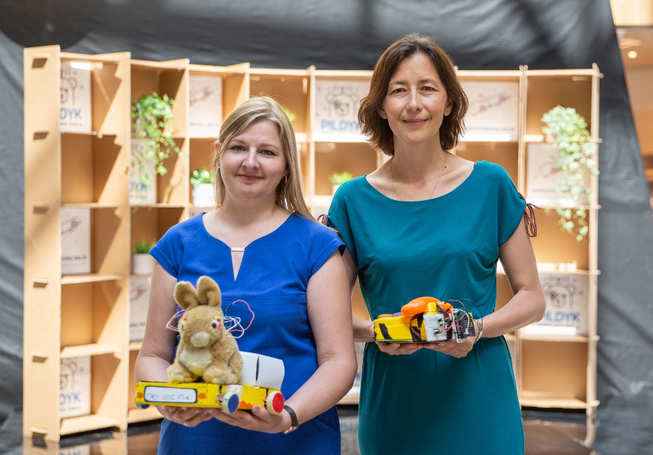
x=201 y=180
x=142 y=261
x=151 y=114
x=567 y=131
x=338 y=178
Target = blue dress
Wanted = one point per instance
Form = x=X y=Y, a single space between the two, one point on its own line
x=272 y=279
x=447 y=248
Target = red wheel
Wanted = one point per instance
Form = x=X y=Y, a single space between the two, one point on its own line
x=274 y=402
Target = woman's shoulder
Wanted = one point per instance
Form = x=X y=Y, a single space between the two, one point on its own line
x=309 y=227
x=188 y=226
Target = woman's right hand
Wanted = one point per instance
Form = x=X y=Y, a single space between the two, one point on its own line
x=188 y=417
x=399 y=348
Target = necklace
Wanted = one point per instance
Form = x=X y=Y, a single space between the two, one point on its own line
x=392 y=179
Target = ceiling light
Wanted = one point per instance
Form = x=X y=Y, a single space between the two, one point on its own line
x=632 y=54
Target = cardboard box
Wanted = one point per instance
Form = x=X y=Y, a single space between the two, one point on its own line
x=139 y=192
x=566 y=296
x=75 y=387
x=542 y=177
x=336 y=110
x=139 y=297
x=75 y=240
x=75 y=88
x=205 y=106
x=493 y=113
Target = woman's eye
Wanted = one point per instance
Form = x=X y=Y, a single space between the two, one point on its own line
x=238 y=148
x=267 y=152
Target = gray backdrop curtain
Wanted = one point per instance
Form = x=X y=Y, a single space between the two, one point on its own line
x=351 y=34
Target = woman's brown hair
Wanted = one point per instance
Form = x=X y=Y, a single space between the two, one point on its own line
x=376 y=128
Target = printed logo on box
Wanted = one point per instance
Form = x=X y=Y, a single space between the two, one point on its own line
x=493 y=110
x=75 y=97
x=75 y=240
x=566 y=302
x=542 y=177
x=139 y=296
x=140 y=192
x=336 y=114
x=75 y=386
x=205 y=106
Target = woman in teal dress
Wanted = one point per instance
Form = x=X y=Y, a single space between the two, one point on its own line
x=429 y=223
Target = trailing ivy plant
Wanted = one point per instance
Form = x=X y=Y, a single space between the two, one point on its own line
x=568 y=132
x=151 y=114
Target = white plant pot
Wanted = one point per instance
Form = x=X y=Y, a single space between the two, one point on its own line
x=204 y=195
x=334 y=188
x=142 y=264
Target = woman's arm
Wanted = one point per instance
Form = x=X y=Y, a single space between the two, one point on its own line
x=527 y=304
x=157 y=351
x=329 y=314
x=363 y=329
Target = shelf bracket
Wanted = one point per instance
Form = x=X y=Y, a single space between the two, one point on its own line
x=39 y=357
x=40 y=282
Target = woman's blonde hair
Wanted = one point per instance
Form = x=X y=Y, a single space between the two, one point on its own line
x=289 y=191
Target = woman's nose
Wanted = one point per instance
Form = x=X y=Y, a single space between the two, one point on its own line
x=251 y=159
x=413 y=100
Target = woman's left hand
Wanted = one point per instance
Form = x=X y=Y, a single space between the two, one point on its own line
x=259 y=419
x=451 y=347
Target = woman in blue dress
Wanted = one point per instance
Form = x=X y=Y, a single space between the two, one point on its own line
x=262 y=246
x=429 y=223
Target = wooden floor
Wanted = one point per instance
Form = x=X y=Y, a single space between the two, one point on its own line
x=550 y=433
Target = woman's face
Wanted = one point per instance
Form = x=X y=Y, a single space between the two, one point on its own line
x=416 y=102
x=253 y=162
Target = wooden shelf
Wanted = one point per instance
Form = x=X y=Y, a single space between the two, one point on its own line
x=89 y=278
x=92 y=422
x=89 y=349
x=137 y=415
x=550 y=401
x=90 y=173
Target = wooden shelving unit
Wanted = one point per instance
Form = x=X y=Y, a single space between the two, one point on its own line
x=87 y=314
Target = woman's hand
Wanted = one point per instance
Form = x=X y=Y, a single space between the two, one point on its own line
x=259 y=419
x=452 y=347
x=188 y=417
x=399 y=348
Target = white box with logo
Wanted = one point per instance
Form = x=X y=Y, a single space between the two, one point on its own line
x=543 y=176
x=75 y=240
x=139 y=296
x=205 y=106
x=336 y=110
x=566 y=296
x=75 y=387
x=493 y=113
x=140 y=192
x=75 y=96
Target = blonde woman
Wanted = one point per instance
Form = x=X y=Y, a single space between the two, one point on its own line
x=261 y=245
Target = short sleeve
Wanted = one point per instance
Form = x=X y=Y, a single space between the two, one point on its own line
x=338 y=218
x=167 y=252
x=324 y=242
x=511 y=206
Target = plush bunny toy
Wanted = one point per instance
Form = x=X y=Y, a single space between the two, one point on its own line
x=206 y=350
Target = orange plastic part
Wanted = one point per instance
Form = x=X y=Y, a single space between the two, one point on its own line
x=417 y=306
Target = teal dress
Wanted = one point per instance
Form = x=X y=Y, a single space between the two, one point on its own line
x=447 y=248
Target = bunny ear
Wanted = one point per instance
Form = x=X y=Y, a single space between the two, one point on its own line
x=208 y=292
x=185 y=295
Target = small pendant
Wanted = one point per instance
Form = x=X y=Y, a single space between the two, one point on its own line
x=237 y=249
